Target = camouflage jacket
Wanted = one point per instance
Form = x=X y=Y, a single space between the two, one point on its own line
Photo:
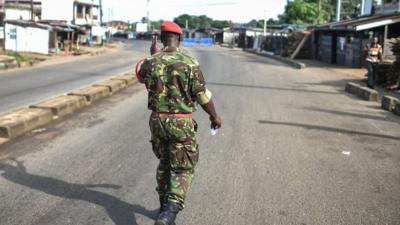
x=174 y=82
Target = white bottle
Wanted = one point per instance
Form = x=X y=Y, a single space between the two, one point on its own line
x=214 y=131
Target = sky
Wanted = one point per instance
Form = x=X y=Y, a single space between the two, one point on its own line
x=236 y=10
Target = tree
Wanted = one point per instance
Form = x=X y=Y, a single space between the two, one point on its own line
x=156 y=24
x=203 y=21
x=306 y=12
x=300 y=12
x=181 y=20
x=221 y=24
x=273 y=22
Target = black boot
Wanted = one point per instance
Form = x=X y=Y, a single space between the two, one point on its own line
x=169 y=215
x=163 y=203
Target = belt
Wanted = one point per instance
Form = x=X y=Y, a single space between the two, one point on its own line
x=176 y=115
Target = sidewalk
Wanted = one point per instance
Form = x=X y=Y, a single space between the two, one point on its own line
x=8 y=63
x=358 y=74
x=353 y=72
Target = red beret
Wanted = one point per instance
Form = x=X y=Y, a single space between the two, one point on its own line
x=171 y=27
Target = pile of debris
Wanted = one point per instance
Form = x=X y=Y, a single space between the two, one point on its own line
x=393 y=79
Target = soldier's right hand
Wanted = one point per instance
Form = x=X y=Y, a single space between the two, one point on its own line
x=216 y=122
x=154 y=39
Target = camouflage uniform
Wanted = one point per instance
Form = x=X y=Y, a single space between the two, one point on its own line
x=175 y=84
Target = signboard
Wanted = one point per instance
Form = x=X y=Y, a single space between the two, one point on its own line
x=141 y=27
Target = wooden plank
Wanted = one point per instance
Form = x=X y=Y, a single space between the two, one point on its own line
x=300 y=46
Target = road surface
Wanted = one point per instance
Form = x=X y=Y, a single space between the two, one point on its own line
x=22 y=87
x=294 y=150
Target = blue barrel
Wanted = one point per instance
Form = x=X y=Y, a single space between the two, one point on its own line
x=206 y=41
x=189 y=42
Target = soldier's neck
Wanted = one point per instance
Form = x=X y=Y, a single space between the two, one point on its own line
x=171 y=48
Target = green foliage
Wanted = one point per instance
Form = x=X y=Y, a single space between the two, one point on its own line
x=20 y=58
x=156 y=24
x=200 y=22
x=221 y=23
x=306 y=11
x=300 y=12
x=260 y=23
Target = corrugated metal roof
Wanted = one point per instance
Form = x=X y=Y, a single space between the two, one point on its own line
x=362 y=23
x=27 y=23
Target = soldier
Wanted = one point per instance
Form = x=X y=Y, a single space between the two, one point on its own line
x=175 y=84
x=373 y=56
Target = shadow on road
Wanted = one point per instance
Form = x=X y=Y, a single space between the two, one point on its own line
x=271 y=88
x=120 y=212
x=356 y=115
x=329 y=129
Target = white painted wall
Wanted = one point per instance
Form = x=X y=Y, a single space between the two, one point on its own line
x=229 y=37
x=27 y=39
x=16 y=14
x=64 y=10
x=96 y=2
x=98 y=31
x=58 y=10
x=141 y=27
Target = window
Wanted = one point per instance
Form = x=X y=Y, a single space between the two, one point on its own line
x=79 y=11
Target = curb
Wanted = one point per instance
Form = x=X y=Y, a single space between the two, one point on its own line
x=368 y=94
x=388 y=103
x=113 y=85
x=362 y=92
x=129 y=80
x=352 y=88
x=62 y=105
x=290 y=62
x=397 y=109
x=19 y=122
x=13 y=65
x=92 y=94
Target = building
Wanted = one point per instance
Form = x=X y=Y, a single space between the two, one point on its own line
x=27 y=36
x=118 y=25
x=77 y=12
x=387 y=7
x=342 y=43
x=38 y=28
x=20 y=10
x=84 y=13
x=238 y=36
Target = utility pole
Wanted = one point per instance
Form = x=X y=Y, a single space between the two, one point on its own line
x=101 y=12
x=319 y=11
x=4 y=25
x=265 y=23
x=32 y=11
x=338 y=10
x=148 y=15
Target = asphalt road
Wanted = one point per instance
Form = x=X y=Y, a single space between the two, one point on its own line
x=21 y=87
x=294 y=150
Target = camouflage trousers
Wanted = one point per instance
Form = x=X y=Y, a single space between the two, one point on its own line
x=174 y=143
